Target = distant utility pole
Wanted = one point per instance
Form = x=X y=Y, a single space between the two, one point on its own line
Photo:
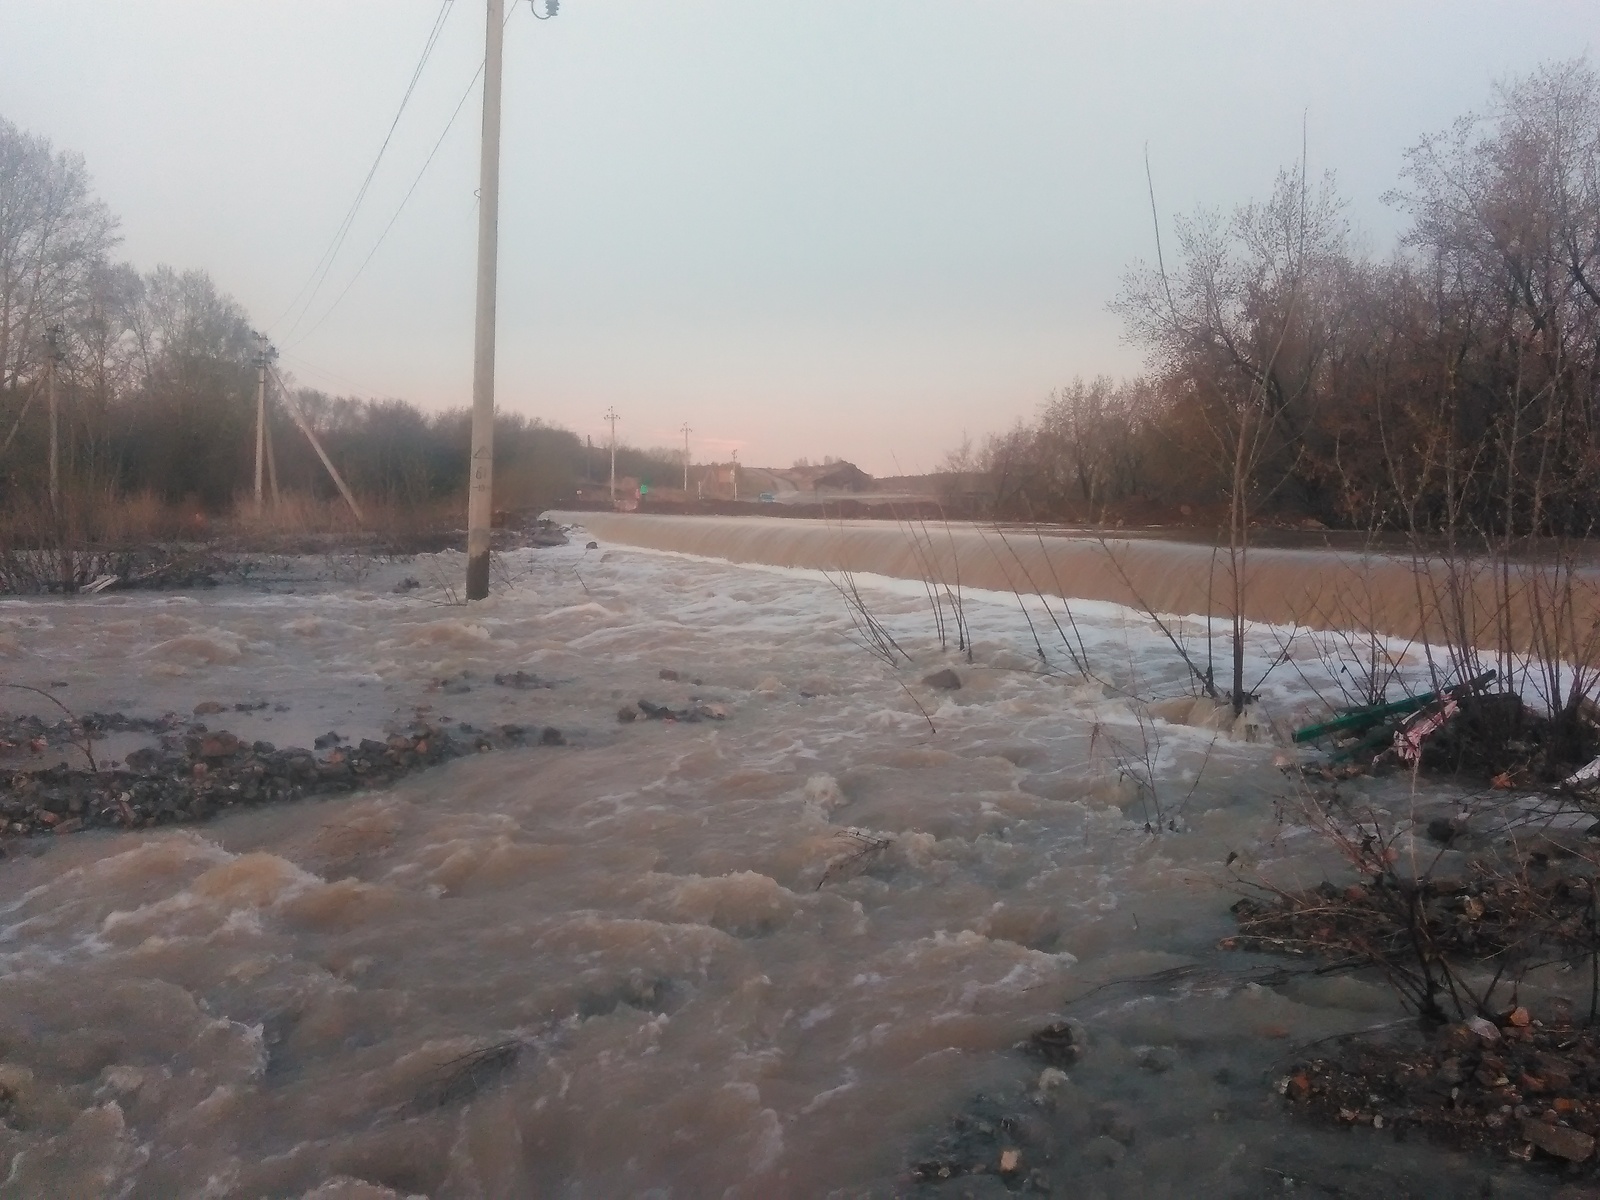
x=52 y=340
x=686 y=459
x=264 y=356
x=611 y=415
x=736 y=475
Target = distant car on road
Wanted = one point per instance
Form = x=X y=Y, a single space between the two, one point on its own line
x=767 y=498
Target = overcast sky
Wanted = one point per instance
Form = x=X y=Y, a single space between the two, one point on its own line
x=831 y=228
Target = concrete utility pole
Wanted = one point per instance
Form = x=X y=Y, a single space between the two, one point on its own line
x=52 y=339
x=611 y=415
x=480 y=479
x=686 y=459
x=480 y=468
x=264 y=356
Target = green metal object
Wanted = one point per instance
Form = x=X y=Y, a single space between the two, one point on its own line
x=1358 y=719
x=1376 y=739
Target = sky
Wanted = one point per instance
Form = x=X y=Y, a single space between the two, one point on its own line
x=862 y=229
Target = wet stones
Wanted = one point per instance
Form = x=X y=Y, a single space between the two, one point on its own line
x=1055 y=1044
x=988 y=1150
x=38 y=734
x=218 y=745
x=946 y=680
x=192 y=778
x=697 y=710
x=1531 y=1094
x=1557 y=1140
x=520 y=680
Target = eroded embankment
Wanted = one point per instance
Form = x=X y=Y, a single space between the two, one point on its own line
x=1322 y=588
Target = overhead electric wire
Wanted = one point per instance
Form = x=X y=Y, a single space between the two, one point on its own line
x=319 y=273
x=342 y=382
x=450 y=124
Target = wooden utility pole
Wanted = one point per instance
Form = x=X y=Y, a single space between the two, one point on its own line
x=272 y=472
x=480 y=479
x=52 y=338
x=264 y=356
x=686 y=460
x=611 y=415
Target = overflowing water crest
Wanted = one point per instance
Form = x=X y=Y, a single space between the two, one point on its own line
x=778 y=952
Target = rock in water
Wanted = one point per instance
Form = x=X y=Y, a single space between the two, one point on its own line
x=946 y=680
x=1558 y=1140
x=1056 y=1044
x=219 y=745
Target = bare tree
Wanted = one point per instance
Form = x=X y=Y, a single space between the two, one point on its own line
x=54 y=236
x=1241 y=328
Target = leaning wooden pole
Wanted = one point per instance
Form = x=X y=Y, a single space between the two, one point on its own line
x=305 y=428
x=272 y=468
x=33 y=394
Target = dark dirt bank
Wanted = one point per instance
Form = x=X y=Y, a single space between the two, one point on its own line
x=1477 y=1071
x=1513 y=1087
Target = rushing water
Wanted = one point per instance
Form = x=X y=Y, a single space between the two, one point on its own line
x=1550 y=603
x=703 y=994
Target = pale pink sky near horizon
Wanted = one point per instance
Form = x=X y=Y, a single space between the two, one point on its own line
x=834 y=228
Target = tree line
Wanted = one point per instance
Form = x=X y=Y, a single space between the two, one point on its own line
x=157 y=379
x=1450 y=385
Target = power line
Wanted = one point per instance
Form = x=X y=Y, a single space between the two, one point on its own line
x=450 y=124
x=341 y=382
x=319 y=273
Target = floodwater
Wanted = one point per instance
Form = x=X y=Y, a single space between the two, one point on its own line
x=699 y=985
x=1551 y=603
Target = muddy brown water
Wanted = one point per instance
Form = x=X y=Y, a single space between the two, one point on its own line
x=1318 y=586
x=695 y=991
